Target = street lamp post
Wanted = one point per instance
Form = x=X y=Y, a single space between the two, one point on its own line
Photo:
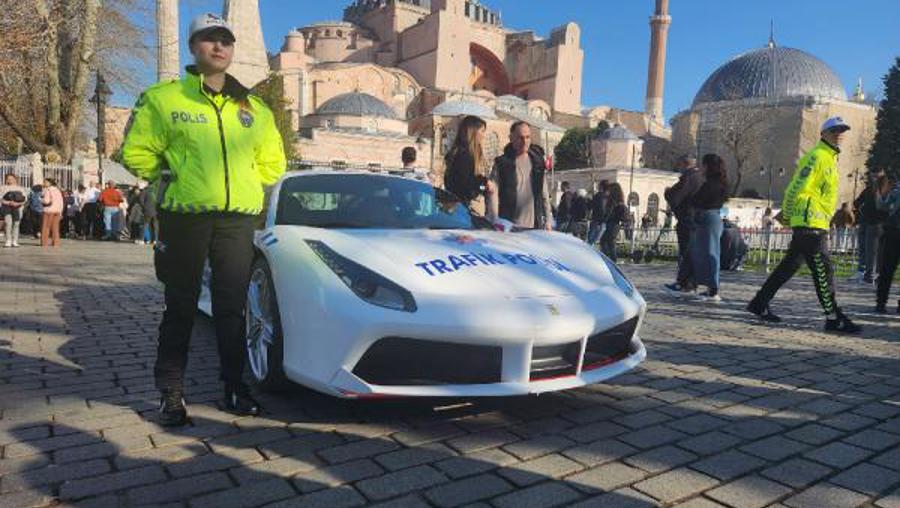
x=101 y=96
x=630 y=193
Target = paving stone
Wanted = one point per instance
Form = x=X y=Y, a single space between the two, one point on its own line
x=697 y=424
x=283 y=467
x=797 y=472
x=600 y=452
x=102 y=484
x=332 y=476
x=531 y=448
x=660 y=459
x=24 y=500
x=675 y=485
x=709 y=443
x=826 y=495
x=651 y=437
x=622 y=498
x=728 y=465
x=889 y=501
x=754 y=428
x=533 y=471
x=868 y=479
x=749 y=492
x=176 y=490
x=606 y=478
x=413 y=501
x=889 y=459
x=701 y=502
x=468 y=490
x=774 y=448
x=475 y=463
x=254 y=494
x=409 y=457
x=543 y=495
x=838 y=455
x=481 y=440
x=594 y=432
x=339 y=497
x=873 y=439
x=52 y=474
x=814 y=434
x=400 y=482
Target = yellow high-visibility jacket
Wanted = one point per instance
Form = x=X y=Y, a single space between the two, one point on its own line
x=811 y=198
x=221 y=148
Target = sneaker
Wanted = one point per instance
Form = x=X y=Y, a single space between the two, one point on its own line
x=762 y=311
x=238 y=401
x=708 y=296
x=16 y=244
x=677 y=290
x=841 y=324
x=7 y=244
x=172 y=412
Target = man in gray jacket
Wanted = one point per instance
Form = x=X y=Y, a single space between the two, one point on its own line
x=679 y=198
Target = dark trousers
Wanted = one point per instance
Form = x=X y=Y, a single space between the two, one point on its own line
x=685 y=275
x=890 y=256
x=810 y=246
x=89 y=217
x=186 y=241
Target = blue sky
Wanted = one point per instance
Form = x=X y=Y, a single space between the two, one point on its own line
x=854 y=38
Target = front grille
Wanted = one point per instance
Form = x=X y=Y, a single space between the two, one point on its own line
x=554 y=361
x=610 y=345
x=398 y=361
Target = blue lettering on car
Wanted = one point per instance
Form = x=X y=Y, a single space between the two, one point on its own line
x=456 y=262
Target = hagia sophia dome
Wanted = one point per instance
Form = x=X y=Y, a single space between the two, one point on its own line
x=356 y=104
x=771 y=72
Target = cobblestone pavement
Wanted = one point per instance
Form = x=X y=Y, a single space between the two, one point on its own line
x=725 y=412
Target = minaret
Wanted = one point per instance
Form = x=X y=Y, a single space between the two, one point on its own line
x=251 y=63
x=858 y=94
x=656 y=72
x=167 y=64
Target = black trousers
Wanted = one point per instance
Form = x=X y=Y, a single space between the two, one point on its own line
x=889 y=258
x=186 y=241
x=810 y=246
x=683 y=231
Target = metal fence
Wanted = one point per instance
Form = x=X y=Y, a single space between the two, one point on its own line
x=763 y=248
x=65 y=175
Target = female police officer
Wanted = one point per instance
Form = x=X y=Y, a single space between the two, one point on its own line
x=211 y=147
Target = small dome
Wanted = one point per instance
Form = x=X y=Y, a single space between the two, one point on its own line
x=619 y=132
x=771 y=72
x=356 y=104
x=462 y=108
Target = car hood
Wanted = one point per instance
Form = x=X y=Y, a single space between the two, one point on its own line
x=528 y=264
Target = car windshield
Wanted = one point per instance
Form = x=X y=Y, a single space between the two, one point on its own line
x=370 y=202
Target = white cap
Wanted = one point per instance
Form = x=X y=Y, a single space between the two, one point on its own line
x=208 y=21
x=835 y=122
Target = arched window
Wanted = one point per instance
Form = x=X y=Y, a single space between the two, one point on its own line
x=653 y=208
x=634 y=200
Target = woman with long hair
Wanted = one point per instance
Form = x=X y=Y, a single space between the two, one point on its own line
x=707 y=238
x=52 y=199
x=616 y=215
x=464 y=160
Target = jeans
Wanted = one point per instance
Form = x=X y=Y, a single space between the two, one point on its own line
x=889 y=260
x=11 y=223
x=596 y=232
x=110 y=220
x=186 y=241
x=861 y=247
x=811 y=246
x=683 y=231
x=873 y=241
x=706 y=245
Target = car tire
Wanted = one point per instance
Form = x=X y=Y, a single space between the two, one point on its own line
x=263 y=333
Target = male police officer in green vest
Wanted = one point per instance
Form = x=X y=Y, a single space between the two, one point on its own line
x=809 y=203
x=211 y=147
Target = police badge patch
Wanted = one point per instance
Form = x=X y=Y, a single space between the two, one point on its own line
x=245 y=117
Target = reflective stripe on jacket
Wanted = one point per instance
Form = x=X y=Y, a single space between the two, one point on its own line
x=222 y=149
x=811 y=198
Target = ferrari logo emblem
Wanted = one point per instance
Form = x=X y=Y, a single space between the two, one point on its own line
x=554 y=311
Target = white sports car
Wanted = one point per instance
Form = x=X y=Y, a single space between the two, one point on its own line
x=370 y=285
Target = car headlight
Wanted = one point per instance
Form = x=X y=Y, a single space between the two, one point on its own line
x=365 y=283
x=620 y=279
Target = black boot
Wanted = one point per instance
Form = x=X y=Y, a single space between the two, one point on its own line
x=238 y=401
x=841 y=324
x=881 y=308
x=762 y=311
x=172 y=412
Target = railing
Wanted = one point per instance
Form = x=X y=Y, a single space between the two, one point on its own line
x=762 y=248
x=65 y=175
x=19 y=168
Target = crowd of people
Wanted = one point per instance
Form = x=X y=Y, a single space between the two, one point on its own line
x=48 y=213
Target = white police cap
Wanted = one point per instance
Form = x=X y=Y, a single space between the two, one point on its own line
x=209 y=21
x=835 y=122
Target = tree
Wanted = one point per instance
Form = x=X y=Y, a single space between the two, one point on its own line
x=739 y=129
x=271 y=91
x=573 y=150
x=885 y=151
x=49 y=50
